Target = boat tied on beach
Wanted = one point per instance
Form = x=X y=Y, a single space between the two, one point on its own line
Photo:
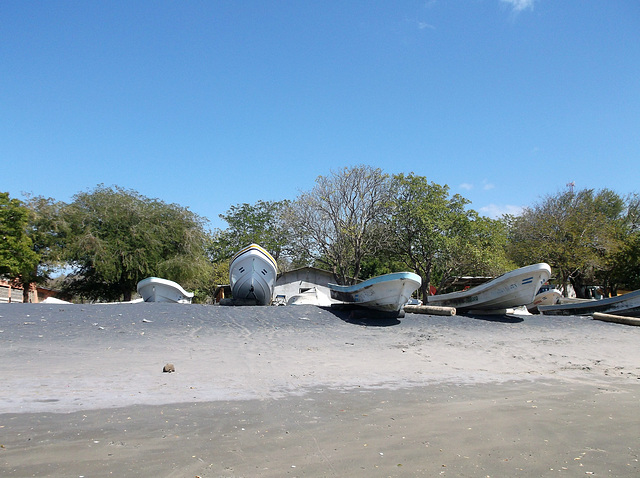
x=510 y=290
x=155 y=289
x=627 y=305
x=547 y=295
x=252 y=273
x=385 y=293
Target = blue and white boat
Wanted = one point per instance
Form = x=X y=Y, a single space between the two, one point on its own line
x=513 y=289
x=252 y=273
x=386 y=293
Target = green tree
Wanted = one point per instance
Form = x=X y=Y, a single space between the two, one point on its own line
x=384 y=262
x=479 y=250
x=342 y=220
x=260 y=223
x=118 y=237
x=575 y=232
x=17 y=256
x=435 y=234
x=48 y=231
x=624 y=265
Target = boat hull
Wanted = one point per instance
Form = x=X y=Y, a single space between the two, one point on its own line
x=387 y=293
x=310 y=297
x=252 y=273
x=513 y=289
x=627 y=305
x=549 y=297
x=155 y=289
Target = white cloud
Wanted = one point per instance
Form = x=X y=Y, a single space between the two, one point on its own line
x=466 y=186
x=487 y=186
x=495 y=211
x=519 y=5
x=423 y=25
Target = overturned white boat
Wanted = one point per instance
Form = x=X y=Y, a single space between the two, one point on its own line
x=386 y=293
x=626 y=304
x=155 y=289
x=312 y=296
x=252 y=274
x=513 y=289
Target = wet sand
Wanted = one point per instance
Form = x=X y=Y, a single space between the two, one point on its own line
x=303 y=391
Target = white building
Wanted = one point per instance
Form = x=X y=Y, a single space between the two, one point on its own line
x=301 y=280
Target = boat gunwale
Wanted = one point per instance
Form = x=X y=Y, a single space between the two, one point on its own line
x=258 y=248
x=592 y=303
x=491 y=283
x=376 y=280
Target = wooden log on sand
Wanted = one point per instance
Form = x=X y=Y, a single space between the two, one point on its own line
x=430 y=309
x=618 y=319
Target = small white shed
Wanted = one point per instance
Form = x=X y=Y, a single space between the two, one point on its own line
x=300 y=280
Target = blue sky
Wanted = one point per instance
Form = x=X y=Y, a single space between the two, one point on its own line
x=208 y=104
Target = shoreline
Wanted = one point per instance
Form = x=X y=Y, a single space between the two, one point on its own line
x=535 y=428
x=305 y=391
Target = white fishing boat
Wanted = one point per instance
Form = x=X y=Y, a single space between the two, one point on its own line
x=547 y=295
x=312 y=296
x=386 y=293
x=155 y=289
x=252 y=273
x=513 y=289
x=626 y=304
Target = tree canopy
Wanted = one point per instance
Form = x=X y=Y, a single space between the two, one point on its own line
x=356 y=222
x=575 y=232
x=479 y=250
x=17 y=256
x=119 y=237
x=623 y=265
x=260 y=223
x=436 y=234
x=48 y=232
x=342 y=220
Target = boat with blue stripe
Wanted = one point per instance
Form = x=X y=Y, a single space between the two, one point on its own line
x=510 y=290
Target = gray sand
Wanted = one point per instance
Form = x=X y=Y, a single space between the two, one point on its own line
x=303 y=391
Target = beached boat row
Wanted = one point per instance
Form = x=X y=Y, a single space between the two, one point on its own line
x=253 y=272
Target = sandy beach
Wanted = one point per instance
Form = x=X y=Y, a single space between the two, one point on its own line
x=306 y=391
